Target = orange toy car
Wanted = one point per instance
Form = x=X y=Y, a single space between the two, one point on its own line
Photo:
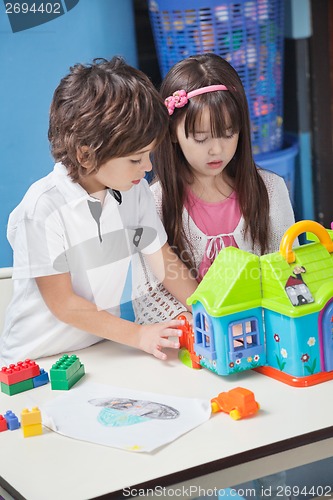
x=238 y=402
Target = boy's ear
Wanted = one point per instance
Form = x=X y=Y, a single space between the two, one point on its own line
x=83 y=156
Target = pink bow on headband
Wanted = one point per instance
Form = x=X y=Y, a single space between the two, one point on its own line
x=179 y=98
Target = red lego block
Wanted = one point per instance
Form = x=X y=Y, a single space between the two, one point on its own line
x=19 y=372
x=3 y=423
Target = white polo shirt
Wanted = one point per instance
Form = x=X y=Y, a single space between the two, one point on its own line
x=58 y=228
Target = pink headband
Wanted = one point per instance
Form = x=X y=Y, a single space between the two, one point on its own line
x=179 y=98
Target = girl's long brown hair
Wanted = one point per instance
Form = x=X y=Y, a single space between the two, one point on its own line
x=171 y=167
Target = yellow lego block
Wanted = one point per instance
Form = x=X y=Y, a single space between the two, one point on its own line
x=32 y=430
x=30 y=417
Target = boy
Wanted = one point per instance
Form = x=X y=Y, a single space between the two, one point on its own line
x=80 y=233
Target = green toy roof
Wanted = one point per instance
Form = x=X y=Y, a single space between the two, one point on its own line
x=232 y=279
x=239 y=280
x=275 y=272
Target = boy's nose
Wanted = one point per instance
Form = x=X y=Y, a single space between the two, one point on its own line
x=147 y=167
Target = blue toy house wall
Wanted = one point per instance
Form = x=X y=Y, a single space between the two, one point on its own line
x=211 y=359
x=292 y=344
x=254 y=355
x=220 y=326
x=223 y=364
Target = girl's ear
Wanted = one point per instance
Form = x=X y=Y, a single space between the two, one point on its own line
x=83 y=156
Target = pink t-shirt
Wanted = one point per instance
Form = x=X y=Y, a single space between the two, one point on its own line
x=217 y=221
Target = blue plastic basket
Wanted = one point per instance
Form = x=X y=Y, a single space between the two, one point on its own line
x=248 y=34
x=282 y=163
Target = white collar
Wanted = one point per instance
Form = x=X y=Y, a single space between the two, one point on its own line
x=73 y=192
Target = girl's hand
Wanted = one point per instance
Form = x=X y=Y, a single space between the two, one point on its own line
x=154 y=338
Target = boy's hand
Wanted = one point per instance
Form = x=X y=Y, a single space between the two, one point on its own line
x=153 y=338
x=188 y=315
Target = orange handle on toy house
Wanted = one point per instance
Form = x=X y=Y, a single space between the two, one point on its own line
x=301 y=227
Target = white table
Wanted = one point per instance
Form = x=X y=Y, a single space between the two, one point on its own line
x=293 y=427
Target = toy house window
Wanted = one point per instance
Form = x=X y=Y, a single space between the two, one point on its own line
x=243 y=337
x=204 y=336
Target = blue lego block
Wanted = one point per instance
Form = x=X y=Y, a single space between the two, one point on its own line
x=41 y=379
x=12 y=420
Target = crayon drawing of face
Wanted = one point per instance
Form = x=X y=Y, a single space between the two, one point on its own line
x=123 y=411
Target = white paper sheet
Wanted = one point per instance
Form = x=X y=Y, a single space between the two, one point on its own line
x=123 y=418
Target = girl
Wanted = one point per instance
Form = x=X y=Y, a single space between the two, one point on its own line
x=81 y=235
x=210 y=194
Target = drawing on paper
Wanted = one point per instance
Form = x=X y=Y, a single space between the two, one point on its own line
x=118 y=412
x=105 y=415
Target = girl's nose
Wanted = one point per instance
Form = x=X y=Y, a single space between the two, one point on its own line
x=216 y=146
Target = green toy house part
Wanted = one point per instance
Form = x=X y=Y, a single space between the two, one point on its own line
x=276 y=271
x=227 y=314
x=233 y=279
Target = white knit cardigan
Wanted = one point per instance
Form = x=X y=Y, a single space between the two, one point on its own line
x=281 y=217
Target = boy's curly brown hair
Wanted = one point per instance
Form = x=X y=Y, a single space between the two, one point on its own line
x=103 y=110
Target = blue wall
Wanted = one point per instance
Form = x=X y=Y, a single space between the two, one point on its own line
x=32 y=62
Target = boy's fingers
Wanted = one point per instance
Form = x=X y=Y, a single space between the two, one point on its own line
x=172 y=332
x=159 y=354
x=164 y=342
x=175 y=322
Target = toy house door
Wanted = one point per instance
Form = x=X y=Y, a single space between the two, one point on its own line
x=327 y=336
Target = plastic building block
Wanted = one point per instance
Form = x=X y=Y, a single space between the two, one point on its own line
x=186 y=353
x=19 y=372
x=65 y=385
x=13 y=389
x=31 y=417
x=3 y=424
x=238 y=402
x=66 y=372
x=65 y=368
x=12 y=420
x=32 y=430
x=41 y=379
x=31 y=422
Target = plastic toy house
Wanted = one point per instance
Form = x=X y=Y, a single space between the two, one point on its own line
x=227 y=314
x=273 y=313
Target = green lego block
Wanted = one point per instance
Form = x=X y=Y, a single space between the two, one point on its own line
x=12 y=389
x=64 y=368
x=65 y=385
